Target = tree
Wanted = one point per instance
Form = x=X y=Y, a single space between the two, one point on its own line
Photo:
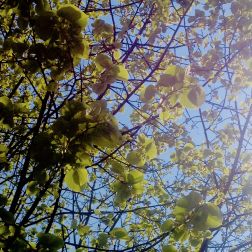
x=125 y=125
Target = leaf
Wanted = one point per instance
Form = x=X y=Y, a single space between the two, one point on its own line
x=103 y=61
x=85 y=53
x=117 y=54
x=150 y=150
x=106 y=135
x=83 y=230
x=185 y=204
x=195 y=242
x=117 y=167
x=148 y=93
x=76 y=179
x=3 y=148
x=149 y=146
x=6 y=112
x=102 y=239
x=50 y=241
x=135 y=177
x=167 y=226
x=73 y=14
x=83 y=159
x=44 y=24
x=99 y=87
x=207 y=216
x=173 y=77
x=32 y=188
x=135 y=158
x=120 y=234
x=165 y=116
x=181 y=234
x=214 y=216
x=169 y=248
x=192 y=97
x=81 y=49
x=3 y=152
x=138 y=188
x=123 y=73
x=20 y=108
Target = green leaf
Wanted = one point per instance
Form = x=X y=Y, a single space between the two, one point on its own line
x=135 y=177
x=169 y=248
x=123 y=73
x=120 y=234
x=20 y=108
x=136 y=158
x=138 y=188
x=148 y=93
x=3 y=152
x=83 y=159
x=181 y=234
x=195 y=242
x=32 y=188
x=6 y=112
x=83 y=230
x=150 y=149
x=214 y=216
x=190 y=201
x=185 y=204
x=4 y=100
x=73 y=14
x=173 y=77
x=76 y=179
x=103 y=61
x=207 y=216
x=102 y=240
x=106 y=135
x=192 y=97
x=117 y=167
x=167 y=226
x=50 y=241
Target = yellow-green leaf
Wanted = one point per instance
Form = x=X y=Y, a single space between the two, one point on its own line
x=50 y=241
x=151 y=149
x=123 y=73
x=214 y=217
x=120 y=234
x=192 y=97
x=32 y=188
x=167 y=226
x=135 y=177
x=76 y=179
x=169 y=248
x=148 y=93
x=103 y=61
x=136 y=158
x=73 y=14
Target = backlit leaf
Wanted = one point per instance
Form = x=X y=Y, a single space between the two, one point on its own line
x=50 y=241
x=123 y=73
x=192 y=97
x=167 y=225
x=135 y=177
x=136 y=158
x=169 y=248
x=120 y=234
x=75 y=179
x=73 y=14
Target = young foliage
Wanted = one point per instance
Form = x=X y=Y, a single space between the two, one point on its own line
x=125 y=125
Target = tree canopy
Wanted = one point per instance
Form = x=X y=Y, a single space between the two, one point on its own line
x=125 y=125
